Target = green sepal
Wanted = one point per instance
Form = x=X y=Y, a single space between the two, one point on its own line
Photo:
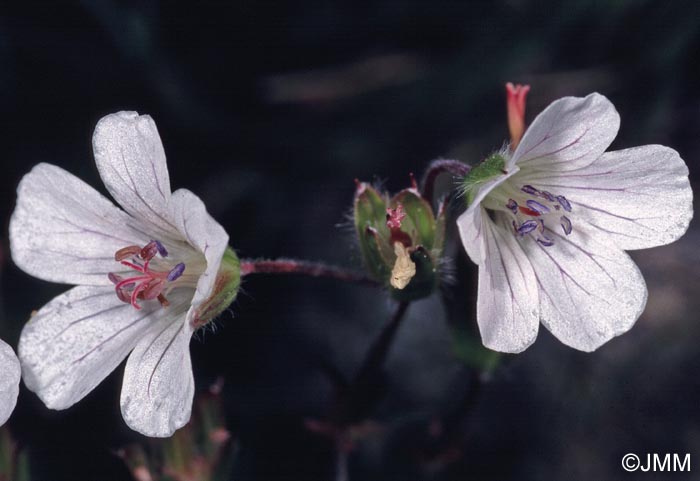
x=370 y=210
x=419 y=222
x=226 y=286
x=492 y=167
x=423 y=283
x=372 y=232
x=378 y=262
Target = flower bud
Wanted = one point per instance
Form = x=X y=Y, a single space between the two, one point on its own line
x=515 y=99
x=400 y=239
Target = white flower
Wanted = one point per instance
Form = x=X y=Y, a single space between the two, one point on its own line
x=549 y=224
x=9 y=381
x=146 y=277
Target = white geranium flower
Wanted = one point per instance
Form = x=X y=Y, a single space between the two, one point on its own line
x=147 y=277
x=548 y=225
x=9 y=381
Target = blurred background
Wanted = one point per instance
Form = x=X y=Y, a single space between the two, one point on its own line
x=268 y=111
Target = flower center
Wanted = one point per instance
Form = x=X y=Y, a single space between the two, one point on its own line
x=153 y=274
x=532 y=210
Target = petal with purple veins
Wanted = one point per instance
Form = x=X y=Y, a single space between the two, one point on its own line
x=77 y=339
x=569 y=134
x=637 y=198
x=131 y=161
x=589 y=291
x=507 y=303
x=204 y=234
x=63 y=230
x=158 y=388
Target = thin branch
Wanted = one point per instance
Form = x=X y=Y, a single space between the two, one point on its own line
x=306 y=268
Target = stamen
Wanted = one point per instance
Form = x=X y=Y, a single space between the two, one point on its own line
x=147 y=284
x=149 y=251
x=545 y=241
x=123 y=296
x=537 y=207
x=527 y=227
x=548 y=196
x=126 y=252
x=114 y=278
x=161 y=249
x=528 y=189
x=153 y=290
x=530 y=213
x=163 y=301
x=176 y=272
x=564 y=203
x=130 y=281
x=135 y=294
x=565 y=224
x=136 y=267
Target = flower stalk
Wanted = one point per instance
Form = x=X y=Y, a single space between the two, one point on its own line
x=305 y=268
x=438 y=167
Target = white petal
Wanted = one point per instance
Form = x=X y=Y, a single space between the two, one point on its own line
x=590 y=291
x=131 y=162
x=63 y=230
x=203 y=233
x=9 y=381
x=77 y=339
x=507 y=305
x=571 y=133
x=470 y=225
x=470 y=222
x=637 y=198
x=158 y=387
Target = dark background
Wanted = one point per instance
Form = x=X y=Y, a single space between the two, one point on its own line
x=268 y=111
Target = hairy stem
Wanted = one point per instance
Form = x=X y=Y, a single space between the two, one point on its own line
x=306 y=268
x=441 y=166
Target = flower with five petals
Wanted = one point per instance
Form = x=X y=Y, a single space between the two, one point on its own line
x=549 y=224
x=147 y=277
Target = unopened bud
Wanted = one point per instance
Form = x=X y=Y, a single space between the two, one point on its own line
x=401 y=240
x=516 y=96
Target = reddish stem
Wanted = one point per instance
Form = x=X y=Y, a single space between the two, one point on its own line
x=306 y=268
